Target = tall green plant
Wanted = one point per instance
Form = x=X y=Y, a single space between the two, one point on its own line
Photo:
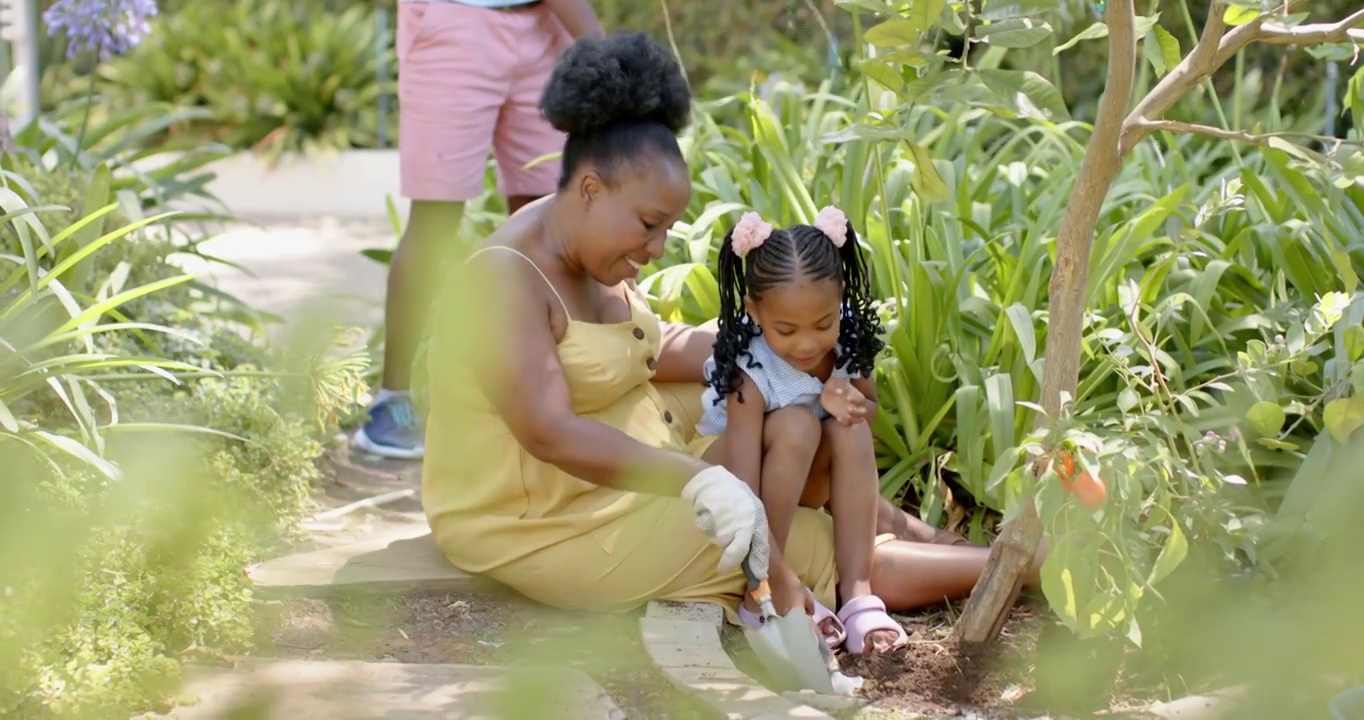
x=278 y=78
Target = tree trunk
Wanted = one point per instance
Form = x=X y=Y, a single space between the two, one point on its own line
x=1012 y=553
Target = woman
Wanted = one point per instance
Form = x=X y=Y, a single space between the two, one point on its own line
x=562 y=459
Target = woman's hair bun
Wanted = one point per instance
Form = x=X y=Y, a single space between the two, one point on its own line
x=625 y=77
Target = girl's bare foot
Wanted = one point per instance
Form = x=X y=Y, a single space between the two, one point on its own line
x=891 y=520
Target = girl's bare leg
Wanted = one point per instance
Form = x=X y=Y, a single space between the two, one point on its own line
x=908 y=576
x=790 y=438
x=890 y=520
x=905 y=574
x=854 y=489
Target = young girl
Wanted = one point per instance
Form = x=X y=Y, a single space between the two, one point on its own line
x=793 y=357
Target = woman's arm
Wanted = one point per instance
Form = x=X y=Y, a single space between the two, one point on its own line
x=684 y=352
x=577 y=17
x=523 y=378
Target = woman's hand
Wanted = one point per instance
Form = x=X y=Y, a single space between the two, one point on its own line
x=844 y=402
x=728 y=512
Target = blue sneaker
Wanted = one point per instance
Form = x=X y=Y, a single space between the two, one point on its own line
x=393 y=430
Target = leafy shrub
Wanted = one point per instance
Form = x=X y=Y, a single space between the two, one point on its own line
x=154 y=446
x=275 y=77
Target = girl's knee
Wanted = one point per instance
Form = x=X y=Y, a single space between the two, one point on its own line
x=843 y=435
x=791 y=427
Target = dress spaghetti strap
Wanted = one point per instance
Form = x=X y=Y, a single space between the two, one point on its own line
x=543 y=276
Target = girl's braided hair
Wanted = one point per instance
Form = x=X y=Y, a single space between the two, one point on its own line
x=787 y=254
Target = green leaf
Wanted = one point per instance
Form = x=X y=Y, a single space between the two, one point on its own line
x=97 y=195
x=1067 y=581
x=80 y=452
x=873 y=6
x=1134 y=632
x=906 y=30
x=1172 y=555
x=1354 y=342
x=1274 y=444
x=1008 y=9
x=1161 y=50
x=1100 y=30
x=1128 y=399
x=7 y=420
x=383 y=256
x=1093 y=32
x=1020 y=319
x=1014 y=32
x=1348 y=278
x=1356 y=100
x=1266 y=417
x=882 y=73
x=1169 y=47
x=1030 y=94
x=927 y=183
x=1343 y=417
x=926 y=13
x=1239 y=15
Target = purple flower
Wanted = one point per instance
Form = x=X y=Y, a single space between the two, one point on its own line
x=106 y=27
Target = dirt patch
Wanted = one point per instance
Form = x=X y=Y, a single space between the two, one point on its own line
x=932 y=675
x=477 y=630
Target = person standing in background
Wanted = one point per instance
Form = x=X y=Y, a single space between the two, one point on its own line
x=470 y=74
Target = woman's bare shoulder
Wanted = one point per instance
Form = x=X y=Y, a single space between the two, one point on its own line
x=511 y=245
x=512 y=258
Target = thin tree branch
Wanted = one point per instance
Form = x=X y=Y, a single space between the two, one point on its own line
x=1175 y=126
x=1216 y=46
x=1261 y=30
x=1193 y=69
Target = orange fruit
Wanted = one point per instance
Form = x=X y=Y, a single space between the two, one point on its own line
x=1089 y=489
x=1064 y=466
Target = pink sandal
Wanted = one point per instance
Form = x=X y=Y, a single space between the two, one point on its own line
x=822 y=613
x=864 y=615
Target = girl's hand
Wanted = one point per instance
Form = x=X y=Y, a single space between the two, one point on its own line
x=788 y=594
x=845 y=403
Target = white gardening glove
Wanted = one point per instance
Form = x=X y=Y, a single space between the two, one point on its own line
x=732 y=517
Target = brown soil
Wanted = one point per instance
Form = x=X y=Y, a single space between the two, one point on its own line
x=933 y=676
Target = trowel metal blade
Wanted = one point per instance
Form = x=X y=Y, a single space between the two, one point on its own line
x=767 y=644
x=801 y=639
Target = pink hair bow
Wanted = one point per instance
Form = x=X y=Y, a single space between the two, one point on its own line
x=832 y=222
x=751 y=232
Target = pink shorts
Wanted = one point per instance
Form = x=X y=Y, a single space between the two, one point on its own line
x=469 y=79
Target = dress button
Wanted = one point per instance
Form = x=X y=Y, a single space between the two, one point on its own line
x=639 y=333
x=652 y=363
x=667 y=416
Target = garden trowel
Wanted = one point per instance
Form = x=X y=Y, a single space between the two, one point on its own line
x=790 y=646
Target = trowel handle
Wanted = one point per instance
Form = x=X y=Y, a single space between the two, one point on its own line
x=757 y=587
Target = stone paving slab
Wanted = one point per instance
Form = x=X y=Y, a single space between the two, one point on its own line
x=349 y=690
x=404 y=560
x=683 y=639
